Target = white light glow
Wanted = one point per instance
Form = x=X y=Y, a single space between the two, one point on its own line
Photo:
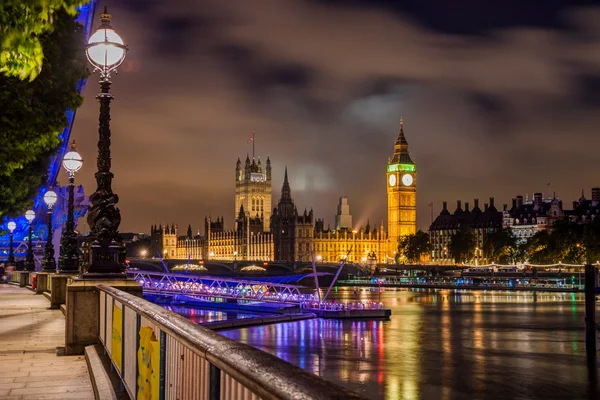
x=72 y=161
x=50 y=198
x=30 y=215
x=103 y=49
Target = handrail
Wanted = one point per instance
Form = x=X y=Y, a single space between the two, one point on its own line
x=264 y=374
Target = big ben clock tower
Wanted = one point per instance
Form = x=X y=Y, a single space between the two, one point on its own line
x=402 y=192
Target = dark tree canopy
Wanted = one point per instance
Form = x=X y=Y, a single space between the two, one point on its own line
x=414 y=246
x=500 y=247
x=568 y=242
x=34 y=113
x=462 y=245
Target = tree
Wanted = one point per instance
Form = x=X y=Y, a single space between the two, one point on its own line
x=462 y=244
x=22 y=26
x=34 y=113
x=500 y=246
x=414 y=246
x=568 y=242
x=591 y=241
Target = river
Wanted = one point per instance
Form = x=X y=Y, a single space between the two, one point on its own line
x=443 y=344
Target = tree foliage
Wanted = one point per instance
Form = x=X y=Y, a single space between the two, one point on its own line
x=500 y=247
x=34 y=113
x=462 y=244
x=22 y=25
x=414 y=246
x=568 y=242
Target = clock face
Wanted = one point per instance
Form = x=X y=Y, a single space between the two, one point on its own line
x=392 y=180
x=407 y=179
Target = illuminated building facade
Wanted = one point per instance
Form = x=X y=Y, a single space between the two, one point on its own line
x=295 y=233
x=364 y=245
x=163 y=241
x=445 y=226
x=287 y=235
x=253 y=190
x=401 y=192
x=292 y=232
x=248 y=242
x=526 y=218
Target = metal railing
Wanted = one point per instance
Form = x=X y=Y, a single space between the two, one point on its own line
x=163 y=354
x=463 y=283
x=14 y=277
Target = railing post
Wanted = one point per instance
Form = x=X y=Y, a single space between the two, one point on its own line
x=214 y=382
x=590 y=320
x=163 y=362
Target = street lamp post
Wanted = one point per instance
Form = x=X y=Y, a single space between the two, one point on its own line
x=106 y=253
x=49 y=263
x=29 y=263
x=11 y=253
x=68 y=261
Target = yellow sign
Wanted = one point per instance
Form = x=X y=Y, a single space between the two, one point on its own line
x=117 y=337
x=148 y=365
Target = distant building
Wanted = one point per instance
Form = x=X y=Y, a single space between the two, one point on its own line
x=445 y=226
x=361 y=246
x=343 y=219
x=253 y=190
x=585 y=210
x=401 y=193
x=292 y=232
x=526 y=218
x=287 y=235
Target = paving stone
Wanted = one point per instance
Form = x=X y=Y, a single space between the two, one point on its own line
x=29 y=336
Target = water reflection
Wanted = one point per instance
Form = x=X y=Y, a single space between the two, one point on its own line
x=201 y=316
x=443 y=344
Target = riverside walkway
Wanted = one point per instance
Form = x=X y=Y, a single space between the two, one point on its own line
x=29 y=336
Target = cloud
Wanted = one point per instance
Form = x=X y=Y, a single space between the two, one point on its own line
x=498 y=109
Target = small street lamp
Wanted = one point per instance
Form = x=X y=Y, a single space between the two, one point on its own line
x=11 y=254
x=49 y=263
x=29 y=263
x=106 y=253
x=68 y=261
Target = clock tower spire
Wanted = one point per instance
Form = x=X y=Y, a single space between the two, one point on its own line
x=402 y=192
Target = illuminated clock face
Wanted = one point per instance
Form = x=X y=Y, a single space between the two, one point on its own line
x=407 y=179
x=392 y=180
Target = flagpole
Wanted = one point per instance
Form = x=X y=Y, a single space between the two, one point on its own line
x=253 y=140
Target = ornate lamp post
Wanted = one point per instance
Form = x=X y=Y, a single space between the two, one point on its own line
x=11 y=254
x=49 y=263
x=68 y=260
x=29 y=263
x=106 y=254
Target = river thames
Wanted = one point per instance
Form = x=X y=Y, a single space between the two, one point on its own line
x=443 y=345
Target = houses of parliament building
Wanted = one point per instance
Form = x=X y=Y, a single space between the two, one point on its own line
x=284 y=234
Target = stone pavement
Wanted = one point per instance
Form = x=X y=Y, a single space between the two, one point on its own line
x=29 y=336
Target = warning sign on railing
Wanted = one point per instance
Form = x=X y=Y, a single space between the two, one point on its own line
x=148 y=365
x=117 y=338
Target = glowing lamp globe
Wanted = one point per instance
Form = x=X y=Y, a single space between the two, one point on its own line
x=50 y=198
x=105 y=48
x=29 y=215
x=11 y=226
x=72 y=161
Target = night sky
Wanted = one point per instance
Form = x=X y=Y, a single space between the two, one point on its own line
x=499 y=98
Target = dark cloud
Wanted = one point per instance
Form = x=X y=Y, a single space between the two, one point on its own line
x=175 y=32
x=473 y=17
x=590 y=91
x=324 y=84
